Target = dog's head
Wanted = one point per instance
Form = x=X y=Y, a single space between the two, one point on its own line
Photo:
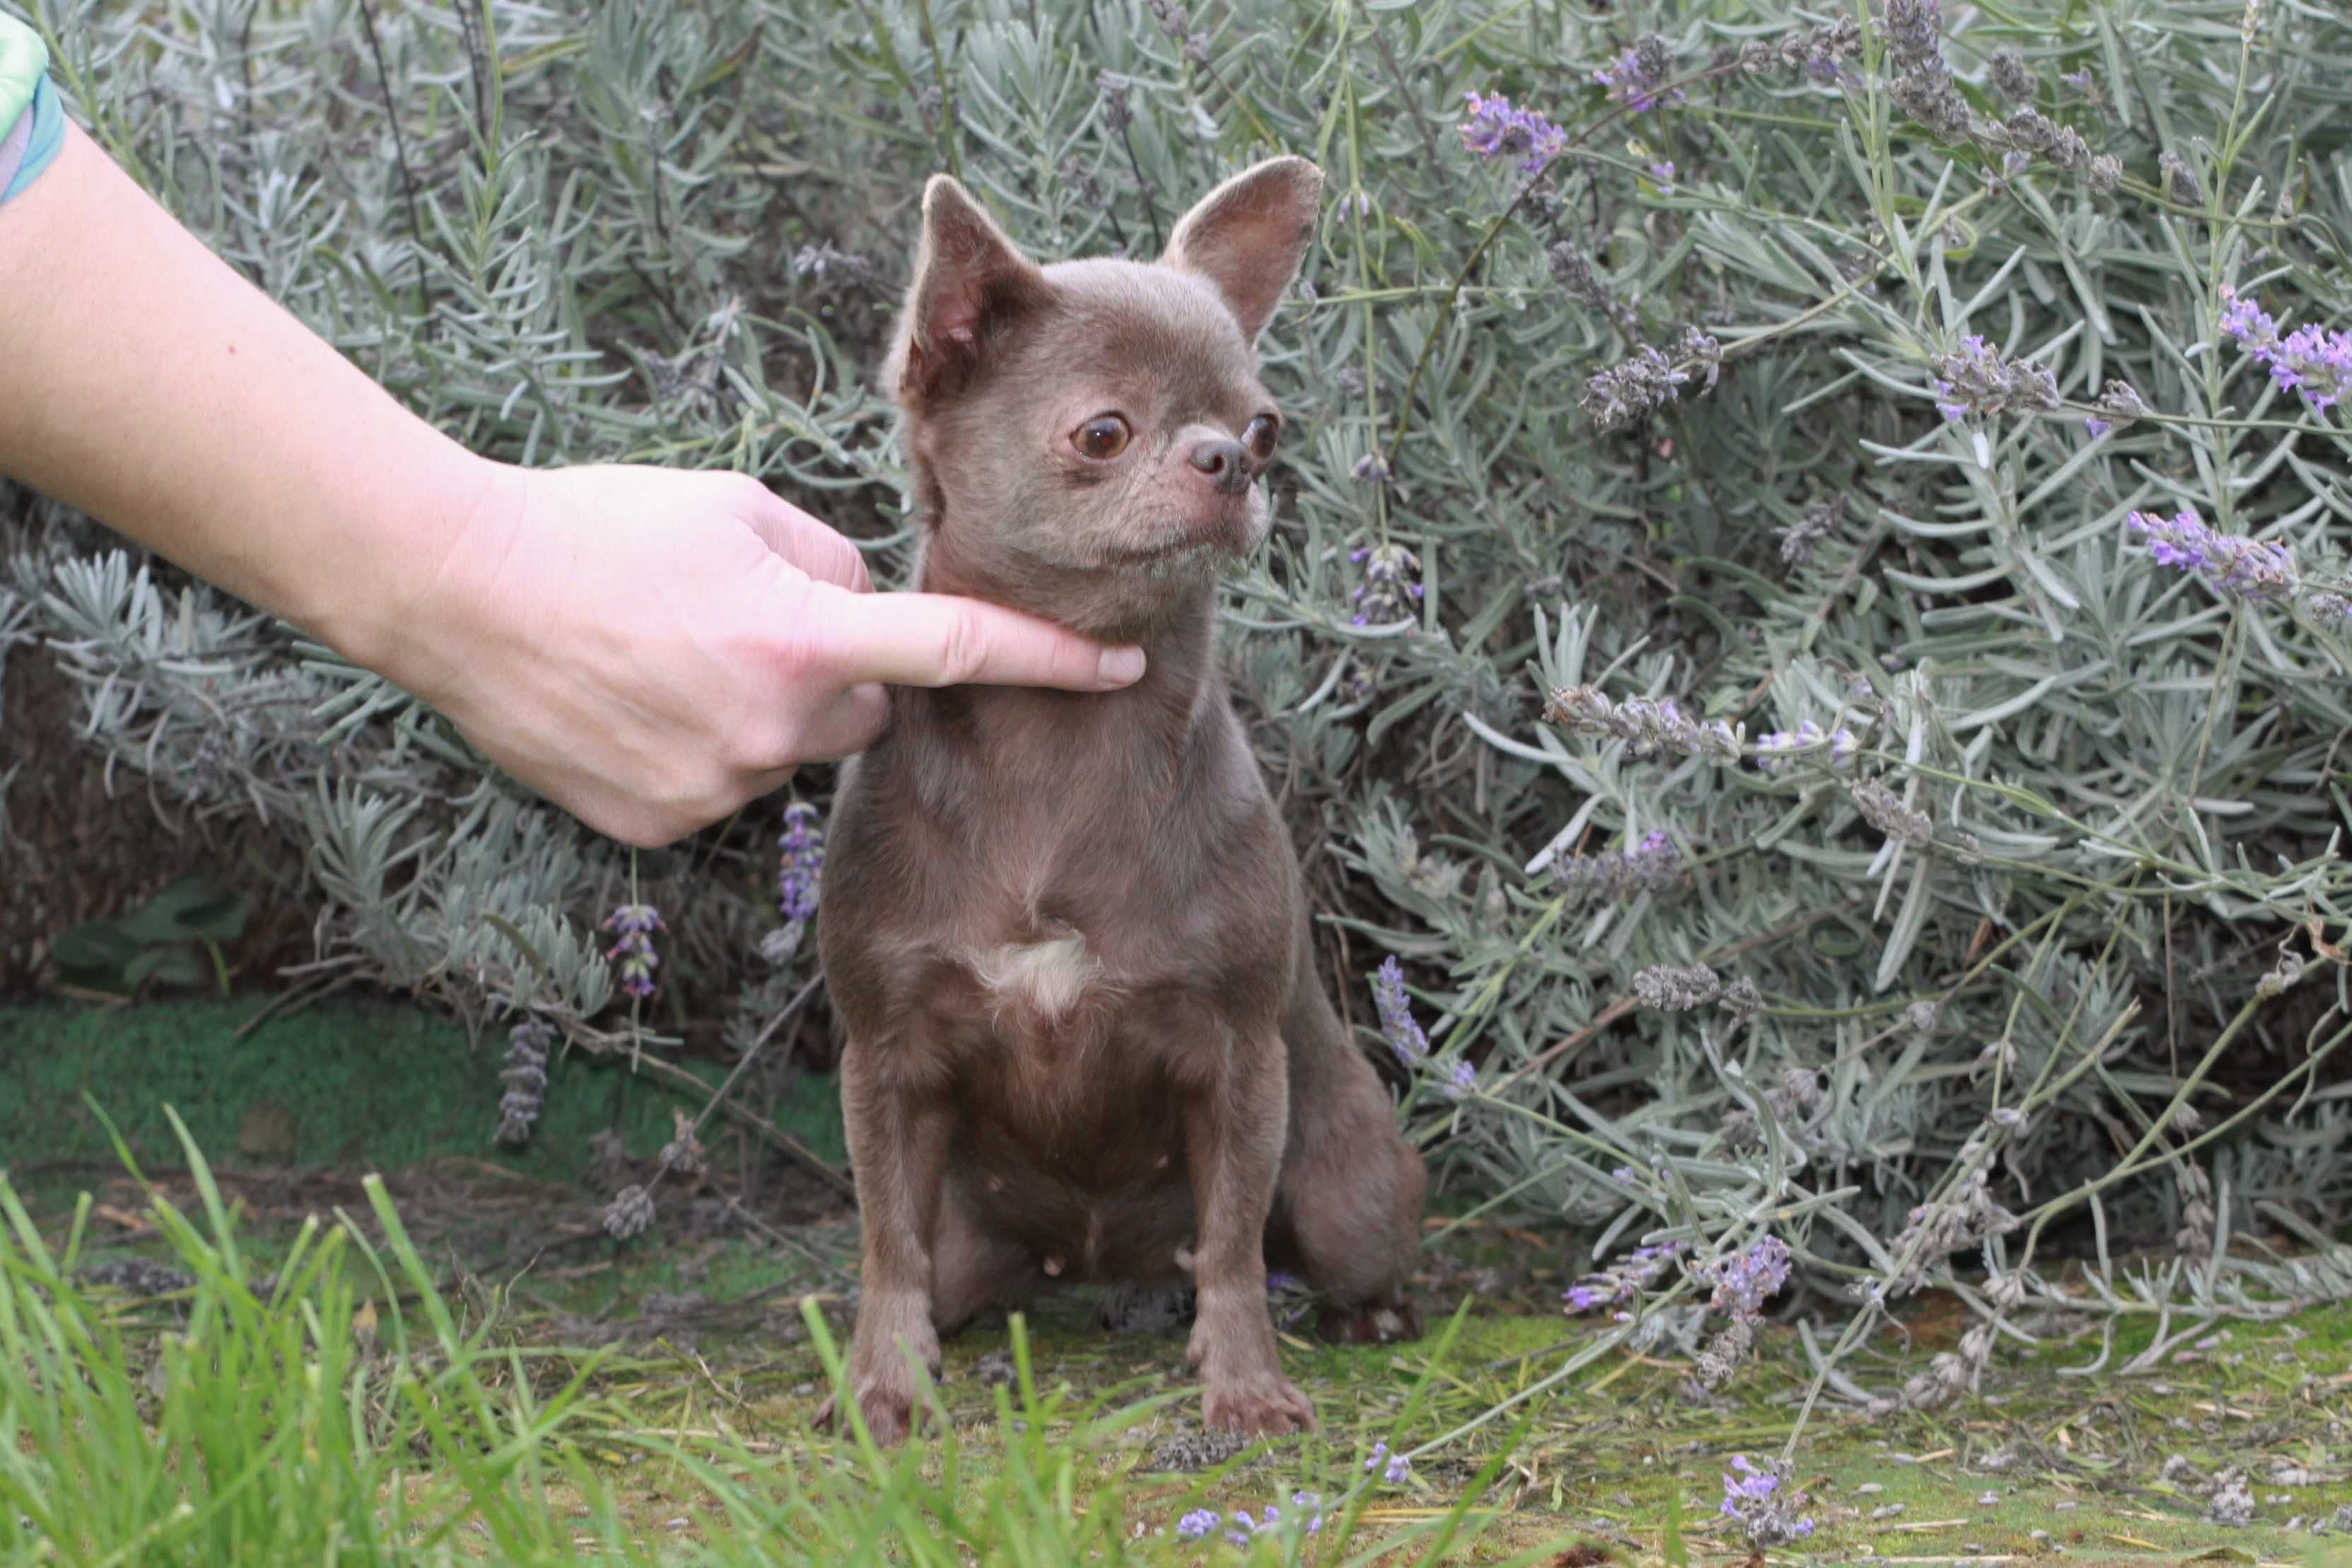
x=1087 y=436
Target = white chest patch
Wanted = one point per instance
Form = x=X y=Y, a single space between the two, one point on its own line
x=1044 y=978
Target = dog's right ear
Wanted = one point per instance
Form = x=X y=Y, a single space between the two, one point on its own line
x=970 y=285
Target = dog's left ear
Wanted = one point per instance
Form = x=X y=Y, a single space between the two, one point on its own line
x=1248 y=236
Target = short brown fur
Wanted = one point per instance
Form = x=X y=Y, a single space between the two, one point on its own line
x=1065 y=933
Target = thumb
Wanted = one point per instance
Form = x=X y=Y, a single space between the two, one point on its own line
x=936 y=639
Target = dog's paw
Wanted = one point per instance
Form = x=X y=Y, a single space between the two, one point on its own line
x=889 y=1411
x=1370 y=1323
x=1263 y=1406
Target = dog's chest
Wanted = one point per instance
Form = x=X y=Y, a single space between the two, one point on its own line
x=1038 y=979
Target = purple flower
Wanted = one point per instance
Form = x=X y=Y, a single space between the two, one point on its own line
x=800 y=862
x=1390 y=587
x=1276 y=1279
x=1621 y=1281
x=2313 y=360
x=1393 y=1469
x=1197 y=1524
x=1462 y=1079
x=2096 y=427
x=634 y=925
x=1495 y=130
x=2256 y=570
x=1404 y=1035
x=1975 y=378
x=1624 y=1175
x=1752 y=1498
x=1638 y=80
x=1745 y=1280
x=1649 y=867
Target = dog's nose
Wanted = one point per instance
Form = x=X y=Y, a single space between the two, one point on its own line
x=1225 y=463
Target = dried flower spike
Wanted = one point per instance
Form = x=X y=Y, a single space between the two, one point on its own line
x=525 y=1077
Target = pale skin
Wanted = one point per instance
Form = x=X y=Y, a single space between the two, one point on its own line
x=648 y=649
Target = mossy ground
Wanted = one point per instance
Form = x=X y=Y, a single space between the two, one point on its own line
x=700 y=1325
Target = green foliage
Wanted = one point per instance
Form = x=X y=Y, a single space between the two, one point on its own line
x=2057 y=899
x=346 y=1408
x=171 y=940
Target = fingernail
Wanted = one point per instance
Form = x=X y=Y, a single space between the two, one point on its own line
x=1121 y=667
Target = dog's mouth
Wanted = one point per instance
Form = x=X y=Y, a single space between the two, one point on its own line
x=1205 y=544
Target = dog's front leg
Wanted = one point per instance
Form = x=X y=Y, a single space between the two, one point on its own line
x=899 y=1136
x=1233 y=1133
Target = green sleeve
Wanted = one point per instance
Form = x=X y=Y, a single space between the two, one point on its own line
x=32 y=125
x=24 y=60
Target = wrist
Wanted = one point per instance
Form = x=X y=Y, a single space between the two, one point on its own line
x=436 y=531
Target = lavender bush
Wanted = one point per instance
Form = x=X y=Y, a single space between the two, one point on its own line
x=1809 y=604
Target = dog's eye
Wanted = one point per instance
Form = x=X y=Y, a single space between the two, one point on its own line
x=1260 y=435
x=1102 y=437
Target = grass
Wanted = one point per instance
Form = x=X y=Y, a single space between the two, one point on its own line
x=450 y=1363
x=293 y=1092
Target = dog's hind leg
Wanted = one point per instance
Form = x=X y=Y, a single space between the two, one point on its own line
x=1349 y=1202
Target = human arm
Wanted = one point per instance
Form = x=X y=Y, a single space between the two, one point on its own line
x=648 y=649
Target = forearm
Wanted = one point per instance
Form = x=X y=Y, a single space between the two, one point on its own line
x=150 y=386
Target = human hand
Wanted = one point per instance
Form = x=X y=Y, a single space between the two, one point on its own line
x=649 y=648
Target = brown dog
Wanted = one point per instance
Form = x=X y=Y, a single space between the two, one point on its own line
x=1084 y=1040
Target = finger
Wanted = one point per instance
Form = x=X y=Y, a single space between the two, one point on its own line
x=935 y=639
x=847 y=725
x=758 y=786
x=806 y=541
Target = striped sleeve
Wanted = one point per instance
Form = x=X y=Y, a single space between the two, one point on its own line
x=32 y=124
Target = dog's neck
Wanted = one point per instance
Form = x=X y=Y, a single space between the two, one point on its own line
x=1145 y=735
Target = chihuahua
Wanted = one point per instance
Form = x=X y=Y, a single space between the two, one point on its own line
x=1065 y=933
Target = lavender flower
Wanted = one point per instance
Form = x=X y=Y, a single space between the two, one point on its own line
x=1649 y=867
x=1624 y=392
x=2312 y=359
x=1822 y=51
x=1394 y=1469
x=1976 y=379
x=1621 y=1281
x=1638 y=80
x=2255 y=570
x=1963 y=1217
x=1404 y=1036
x=2118 y=405
x=1819 y=521
x=1884 y=809
x=1197 y=1524
x=1495 y=130
x=634 y=924
x=1117 y=114
x=1370 y=469
x=684 y=1152
x=2179 y=181
x=1646 y=727
x=1462 y=1079
x=1779 y=748
x=525 y=1076
x=800 y=863
x=1752 y=1498
x=1745 y=1280
x=1390 y=587
x=822 y=260
x=1665 y=989
x=629 y=1214
x=2009 y=76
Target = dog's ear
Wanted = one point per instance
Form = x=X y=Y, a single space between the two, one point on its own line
x=1248 y=236
x=970 y=285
